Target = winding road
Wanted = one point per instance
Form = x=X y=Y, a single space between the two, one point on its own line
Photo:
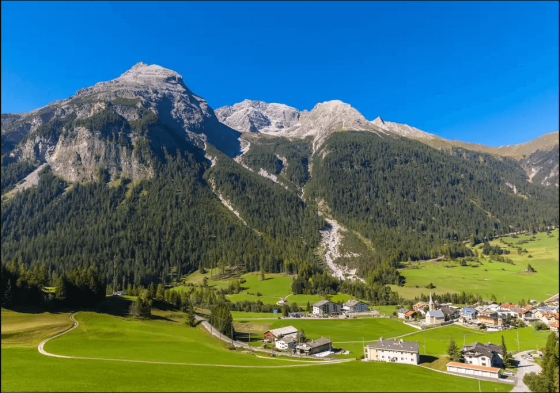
x=524 y=366
x=42 y=351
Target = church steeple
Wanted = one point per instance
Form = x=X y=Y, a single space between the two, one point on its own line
x=431 y=304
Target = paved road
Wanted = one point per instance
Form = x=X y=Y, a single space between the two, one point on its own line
x=524 y=366
x=240 y=344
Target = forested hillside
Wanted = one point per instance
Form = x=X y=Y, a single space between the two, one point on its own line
x=149 y=227
x=289 y=160
x=413 y=201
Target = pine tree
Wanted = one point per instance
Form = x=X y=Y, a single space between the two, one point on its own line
x=60 y=291
x=160 y=293
x=308 y=308
x=453 y=351
x=506 y=356
x=190 y=319
x=7 y=300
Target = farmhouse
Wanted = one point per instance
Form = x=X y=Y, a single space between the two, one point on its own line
x=509 y=306
x=468 y=314
x=316 y=346
x=489 y=318
x=554 y=326
x=420 y=306
x=410 y=315
x=528 y=313
x=325 y=307
x=450 y=312
x=402 y=312
x=355 y=306
x=488 y=355
x=394 y=351
x=275 y=334
x=471 y=369
x=288 y=342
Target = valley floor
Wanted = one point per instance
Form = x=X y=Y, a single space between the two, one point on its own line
x=165 y=339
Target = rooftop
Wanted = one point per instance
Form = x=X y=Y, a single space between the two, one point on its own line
x=352 y=302
x=435 y=313
x=396 y=345
x=321 y=303
x=473 y=367
x=317 y=343
x=283 y=331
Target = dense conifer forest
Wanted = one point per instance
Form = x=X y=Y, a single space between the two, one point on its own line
x=410 y=200
x=416 y=202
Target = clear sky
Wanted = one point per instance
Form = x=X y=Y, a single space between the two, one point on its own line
x=483 y=72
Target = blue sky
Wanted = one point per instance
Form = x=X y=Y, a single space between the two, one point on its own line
x=483 y=72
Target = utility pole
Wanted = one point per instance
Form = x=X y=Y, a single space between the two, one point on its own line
x=479 y=386
x=464 y=340
x=364 y=346
x=424 y=346
x=232 y=334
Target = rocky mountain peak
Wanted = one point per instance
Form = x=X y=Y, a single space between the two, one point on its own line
x=144 y=74
x=258 y=116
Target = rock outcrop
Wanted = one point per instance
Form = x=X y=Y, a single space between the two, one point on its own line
x=98 y=129
x=258 y=116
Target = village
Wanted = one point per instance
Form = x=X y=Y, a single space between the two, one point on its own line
x=480 y=360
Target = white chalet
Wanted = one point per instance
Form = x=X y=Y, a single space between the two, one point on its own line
x=325 y=307
x=287 y=342
x=355 y=306
x=394 y=351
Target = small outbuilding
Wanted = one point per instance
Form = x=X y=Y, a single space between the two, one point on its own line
x=474 y=370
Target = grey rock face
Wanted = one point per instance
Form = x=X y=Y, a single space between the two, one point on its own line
x=328 y=117
x=402 y=129
x=78 y=153
x=542 y=167
x=281 y=120
x=258 y=116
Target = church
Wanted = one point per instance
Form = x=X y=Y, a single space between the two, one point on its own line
x=434 y=316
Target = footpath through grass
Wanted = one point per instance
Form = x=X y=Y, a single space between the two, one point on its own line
x=24 y=369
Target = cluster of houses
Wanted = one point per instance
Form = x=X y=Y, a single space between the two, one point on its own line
x=286 y=338
x=435 y=314
x=491 y=314
x=326 y=307
x=483 y=360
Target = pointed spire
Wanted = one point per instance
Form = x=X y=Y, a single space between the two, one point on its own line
x=431 y=304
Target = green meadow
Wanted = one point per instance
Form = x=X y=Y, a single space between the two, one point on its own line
x=508 y=282
x=164 y=339
x=338 y=330
x=438 y=339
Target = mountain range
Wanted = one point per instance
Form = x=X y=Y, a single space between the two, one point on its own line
x=175 y=184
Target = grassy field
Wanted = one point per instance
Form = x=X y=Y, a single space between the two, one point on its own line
x=29 y=329
x=491 y=277
x=338 y=330
x=24 y=369
x=438 y=339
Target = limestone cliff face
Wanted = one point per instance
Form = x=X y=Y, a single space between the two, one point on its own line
x=106 y=128
x=258 y=116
